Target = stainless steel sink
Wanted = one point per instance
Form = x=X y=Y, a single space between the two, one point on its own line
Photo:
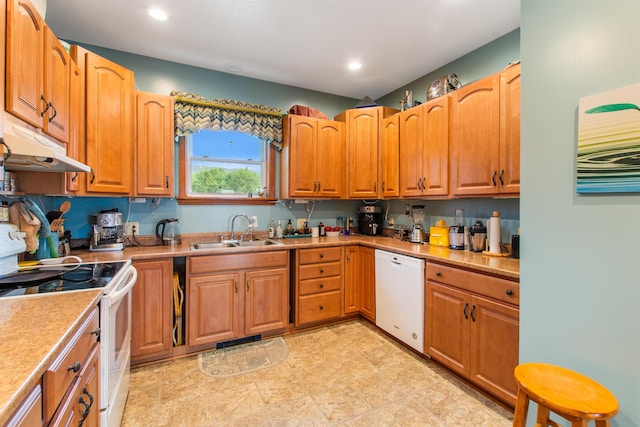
x=257 y=243
x=232 y=244
x=211 y=245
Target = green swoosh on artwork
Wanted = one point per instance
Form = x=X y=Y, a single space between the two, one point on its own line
x=612 y=107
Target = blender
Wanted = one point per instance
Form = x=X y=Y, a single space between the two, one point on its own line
x=456 y=231
x=417 y=212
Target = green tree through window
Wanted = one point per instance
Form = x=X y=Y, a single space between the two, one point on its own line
x=226 y=163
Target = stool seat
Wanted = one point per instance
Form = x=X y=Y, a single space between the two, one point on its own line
x=567 y=393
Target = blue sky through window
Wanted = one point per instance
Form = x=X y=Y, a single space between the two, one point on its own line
x=229 y=145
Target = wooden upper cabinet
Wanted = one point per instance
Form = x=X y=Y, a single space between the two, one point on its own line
x=364 y=137
x=390 y=157
x=363 y=127
x=57 y=80
x=331 y=158
x=411 y=152
x=75 y=147
x=475 y=138
x=509 y=176
x=155 y=145
x=37 y=72
x=313 y=158
x=109 y=125
x=436 y=147
x=25 y=61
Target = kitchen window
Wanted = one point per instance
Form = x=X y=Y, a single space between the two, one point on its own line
x=226 y=167
x=227 y=150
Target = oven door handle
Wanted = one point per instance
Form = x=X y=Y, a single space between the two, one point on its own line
x=125 y=288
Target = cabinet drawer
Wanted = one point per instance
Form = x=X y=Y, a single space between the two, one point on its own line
x=67 y=366
x=501 y=289
x=314 y=286
x=316 y=271
x=312 y=308
x=310 y=256
x=214 y=263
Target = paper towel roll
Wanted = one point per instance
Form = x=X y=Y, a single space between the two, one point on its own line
x=493 y=230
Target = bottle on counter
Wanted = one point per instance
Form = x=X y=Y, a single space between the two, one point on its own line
x=4 y=212
x=272 y=229
x=279 y=232
x=321 y=229
x=290 y=231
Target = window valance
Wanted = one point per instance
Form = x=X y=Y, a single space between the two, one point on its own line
x=194 y=113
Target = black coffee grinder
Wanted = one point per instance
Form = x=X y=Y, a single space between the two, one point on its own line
x=369 y=220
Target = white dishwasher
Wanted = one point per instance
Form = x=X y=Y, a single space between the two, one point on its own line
x=400 y=297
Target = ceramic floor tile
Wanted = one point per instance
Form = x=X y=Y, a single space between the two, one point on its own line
x=340 y=403
x=349 y=374
x=296 y=412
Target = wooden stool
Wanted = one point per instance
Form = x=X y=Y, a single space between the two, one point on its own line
x=569 y=394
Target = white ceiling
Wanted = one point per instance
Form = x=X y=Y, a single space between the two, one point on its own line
x=302 y=43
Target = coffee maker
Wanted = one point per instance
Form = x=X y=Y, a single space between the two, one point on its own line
x=106 y=231
x=369 y=219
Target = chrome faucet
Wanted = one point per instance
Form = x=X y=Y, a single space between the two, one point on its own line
x=232 y=234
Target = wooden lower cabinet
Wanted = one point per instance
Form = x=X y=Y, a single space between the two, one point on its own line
x=472 y=327
x=70 y=384
x=232 y=296
x=368 y=283
x=318 y=285
x=29 y=412
x=352 y=280
x=152 y=311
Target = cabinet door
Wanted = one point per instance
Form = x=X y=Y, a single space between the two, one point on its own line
x=390 y=157
x=87 y=401
x=363 y=127
x=411 y=153
x=352 y=280
x=266 y=300
x=56 y=80
x=109 y=125
x=510 y=131
x=494 y=347
x=29 y=412
x=154 y=145
x=436 y=147
x=447 y=330
x=152 y=310
x=76 y=87
x=330 y=159
x=24 y=66
x=212 y=308
x=302 y=163
x=368 y=283
x=474 y=138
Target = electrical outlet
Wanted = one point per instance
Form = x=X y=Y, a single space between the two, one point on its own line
x=129 y=228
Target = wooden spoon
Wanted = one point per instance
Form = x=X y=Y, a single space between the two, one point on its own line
x=64 y=207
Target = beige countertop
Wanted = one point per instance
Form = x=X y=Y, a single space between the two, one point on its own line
x=33 y=330
x=502 y=266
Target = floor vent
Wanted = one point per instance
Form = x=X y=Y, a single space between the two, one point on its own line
x=239 y=341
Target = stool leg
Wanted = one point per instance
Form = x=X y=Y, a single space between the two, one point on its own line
x=602 y=423
x=580 y=423
x=522 y=407
x=543 y=415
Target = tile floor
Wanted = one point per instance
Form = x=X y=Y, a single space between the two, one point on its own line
x=343 y=375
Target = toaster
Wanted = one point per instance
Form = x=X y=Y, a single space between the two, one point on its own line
x=439 y=234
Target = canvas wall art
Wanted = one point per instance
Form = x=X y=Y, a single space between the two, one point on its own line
x=609 y=142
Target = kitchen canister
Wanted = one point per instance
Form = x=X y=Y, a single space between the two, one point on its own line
x=493 y=231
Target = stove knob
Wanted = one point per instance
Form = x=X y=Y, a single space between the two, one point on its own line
x=17 y=235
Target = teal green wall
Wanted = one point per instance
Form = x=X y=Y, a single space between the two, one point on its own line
x=579 y=278
x=159 y=76
x=480 y=63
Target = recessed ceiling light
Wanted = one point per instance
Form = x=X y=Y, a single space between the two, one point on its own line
x=355 y=65
x=158 y=14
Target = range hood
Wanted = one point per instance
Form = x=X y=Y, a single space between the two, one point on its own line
x=26 y=150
